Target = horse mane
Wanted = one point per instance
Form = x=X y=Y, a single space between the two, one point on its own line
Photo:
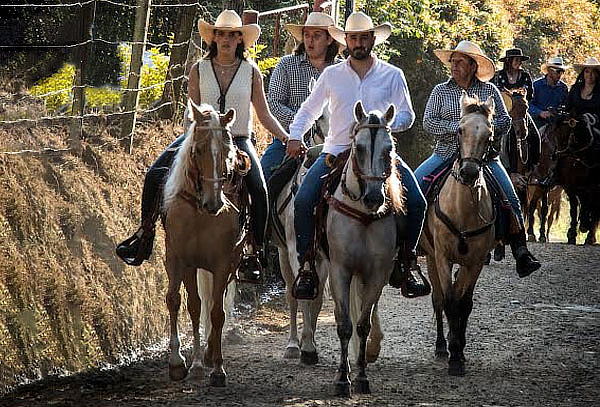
x=394 y=189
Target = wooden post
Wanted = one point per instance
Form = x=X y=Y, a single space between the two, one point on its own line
x=131 y=97
x=177 y=60
x=349 y=9
x=276 y=35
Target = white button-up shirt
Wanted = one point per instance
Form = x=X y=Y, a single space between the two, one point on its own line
x=341 y=87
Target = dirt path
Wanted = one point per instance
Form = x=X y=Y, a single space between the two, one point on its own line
x=531 y=342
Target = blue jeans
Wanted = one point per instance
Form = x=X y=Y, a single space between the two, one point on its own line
x=272 y=158
x=309 y=194
x=435 y=161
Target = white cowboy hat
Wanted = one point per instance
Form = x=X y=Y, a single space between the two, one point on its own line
x=590 y=62
x=485 y=66
x=229 y=20
x=359 y=22
x=315 y=19
x=554 y=62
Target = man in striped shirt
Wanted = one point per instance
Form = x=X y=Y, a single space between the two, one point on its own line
x=471 y=71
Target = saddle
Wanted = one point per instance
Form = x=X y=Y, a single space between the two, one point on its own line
x=505 y=220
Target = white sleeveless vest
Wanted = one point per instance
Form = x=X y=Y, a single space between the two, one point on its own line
x=238 y=96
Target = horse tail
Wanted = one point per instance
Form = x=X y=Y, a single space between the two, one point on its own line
x=355 y=311
x=205 y=291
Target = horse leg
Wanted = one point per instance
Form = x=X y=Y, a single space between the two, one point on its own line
x=190 y=283
x=217 y=319
x=292 y=350
x=533 y=202
x=437 y=299
x=591 y=236
x=311 y=310
x=573 y=203
x=340 y=284
x=375 y=337
x=543 y=217
x=177 y=367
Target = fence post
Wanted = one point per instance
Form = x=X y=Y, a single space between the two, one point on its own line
x=276 y=35
x=131 y=96
x=177 y=60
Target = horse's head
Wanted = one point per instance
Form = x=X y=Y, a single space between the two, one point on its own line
x=373 y=158
x=475 y=133
x=212 y=153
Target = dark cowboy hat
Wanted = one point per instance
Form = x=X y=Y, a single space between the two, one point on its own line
x=514 y=53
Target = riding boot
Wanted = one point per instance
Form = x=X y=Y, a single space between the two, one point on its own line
x=526 y=262
x=306 y=284
x=403 y=277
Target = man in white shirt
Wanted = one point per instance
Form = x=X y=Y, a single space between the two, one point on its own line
x=377 y=84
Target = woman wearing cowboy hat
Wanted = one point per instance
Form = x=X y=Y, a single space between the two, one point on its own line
x=288 y=86
x=512 y=75
x=470 y=71
x=584 y=96
x=549 y=92
x=225 y=79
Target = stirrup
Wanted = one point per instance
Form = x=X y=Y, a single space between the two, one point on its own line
x=250 y=270
x=306 y=285
x=417 y=289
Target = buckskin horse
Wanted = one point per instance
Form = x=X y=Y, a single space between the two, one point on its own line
x=460 y=229
x=204 y=235
x=361 y=232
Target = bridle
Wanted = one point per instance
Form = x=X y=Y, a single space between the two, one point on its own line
x=479 y=162
x=356 y=170
x=194 y=152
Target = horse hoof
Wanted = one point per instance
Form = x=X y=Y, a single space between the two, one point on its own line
x=531 y=238
x=196 y=371
x=177 y=373
x=292 y=352
x=441 y=354
x=361 y=385
x=217 y=379
x=342 y=389
x=487 y=260
x=309 y=358
x=571 y=241
x=456 y=368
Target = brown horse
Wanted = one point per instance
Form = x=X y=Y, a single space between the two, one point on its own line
x=203 y=236
x=459 y=229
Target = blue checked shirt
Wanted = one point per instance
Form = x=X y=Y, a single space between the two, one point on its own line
x=288 y=87
x=442 y=114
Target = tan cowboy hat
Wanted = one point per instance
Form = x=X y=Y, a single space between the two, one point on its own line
x=590 y=62
x=554 y=62
x=359 y=22
x=315 y=19
x=229 y=20
x=485 y=66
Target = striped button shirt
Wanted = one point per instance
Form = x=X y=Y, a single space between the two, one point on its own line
x=442 y=114
x=288 y=87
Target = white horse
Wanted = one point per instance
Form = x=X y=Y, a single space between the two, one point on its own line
x=361 y=231
x=306 y=348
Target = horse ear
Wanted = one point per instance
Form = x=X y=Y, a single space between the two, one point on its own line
x=390 y=114
x=359 y=112
x=465 y=101
x=228 y=117
x=489 y=103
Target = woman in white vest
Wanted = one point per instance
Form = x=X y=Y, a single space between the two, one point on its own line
x=225 y=79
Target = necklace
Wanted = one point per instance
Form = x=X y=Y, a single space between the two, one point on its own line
x=225 y=67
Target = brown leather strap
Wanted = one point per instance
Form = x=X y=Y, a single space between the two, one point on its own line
x=364 y=218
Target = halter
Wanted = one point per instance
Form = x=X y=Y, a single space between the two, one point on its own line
x=356 y=170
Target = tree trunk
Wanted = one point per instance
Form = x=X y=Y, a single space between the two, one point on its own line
x=236 y=5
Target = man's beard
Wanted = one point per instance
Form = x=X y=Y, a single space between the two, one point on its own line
x=360 y=53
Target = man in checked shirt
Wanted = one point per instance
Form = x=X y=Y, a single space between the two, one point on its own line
x=470 y=71
x=288 y=86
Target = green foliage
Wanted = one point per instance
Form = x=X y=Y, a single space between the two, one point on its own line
x=152 y=75
x=56 y=85
x=266 y=65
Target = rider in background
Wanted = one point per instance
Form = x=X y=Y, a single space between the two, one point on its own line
x=512 y=75
x=470 y=71
x=377 y=84
x=288 y=86
x=549 y=92
x=584 y=96
x=223 y=78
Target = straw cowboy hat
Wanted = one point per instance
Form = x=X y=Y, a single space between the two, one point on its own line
x=315 y=19
x=359 y=22
x=485 y=66
x=590 y=62
x=554 y=62
x=514 y=53
x=229 y=20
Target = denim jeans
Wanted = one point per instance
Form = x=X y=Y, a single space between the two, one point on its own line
x=272 y=158
x=435 y=161
x=309 y=194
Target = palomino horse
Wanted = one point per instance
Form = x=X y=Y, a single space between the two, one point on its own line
x=459 y=229
x=361 y=231
x=285 y=240
x=202 y=231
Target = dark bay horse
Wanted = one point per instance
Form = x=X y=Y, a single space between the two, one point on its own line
x=203 y=236
x=460 y=229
